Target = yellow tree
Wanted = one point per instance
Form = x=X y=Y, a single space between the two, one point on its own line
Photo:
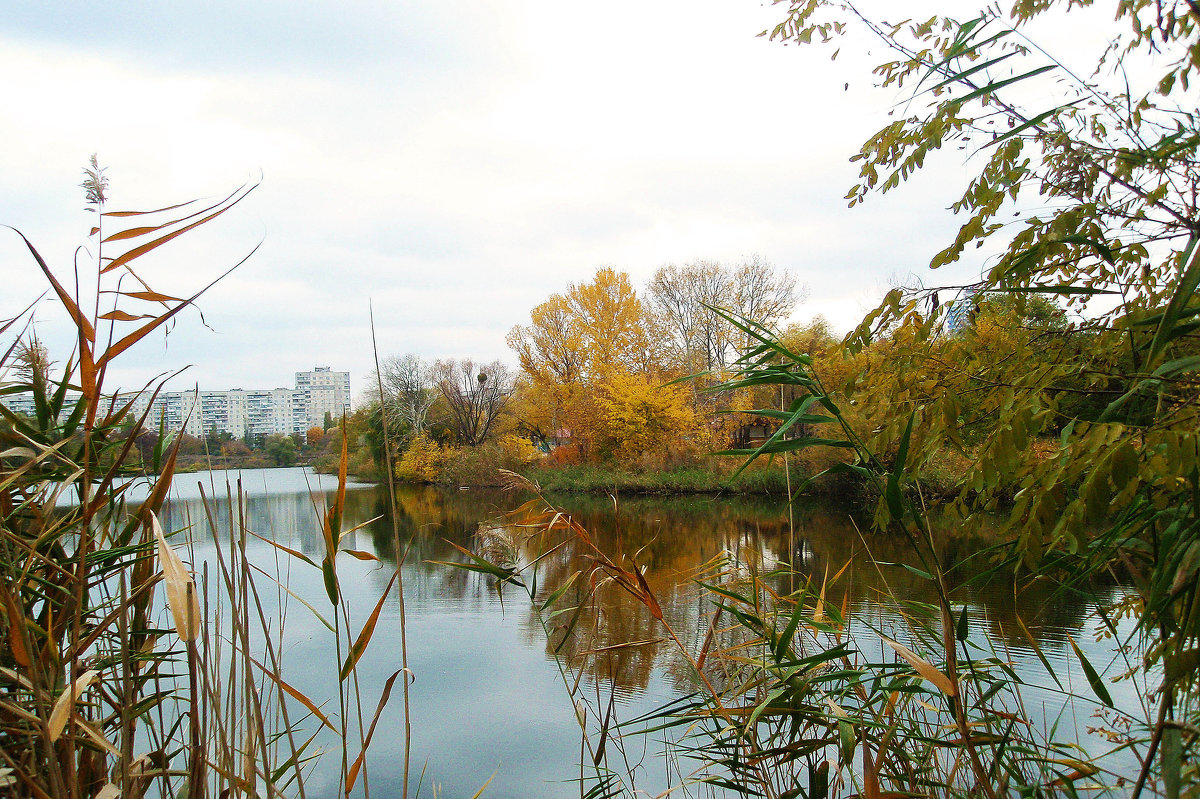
x=635 y=416
x=596 y=326
x=574 y=341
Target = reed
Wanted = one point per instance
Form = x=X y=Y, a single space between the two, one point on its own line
x=100 y=694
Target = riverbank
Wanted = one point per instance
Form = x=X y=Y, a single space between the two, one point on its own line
x=611 y=479
x=709 y=476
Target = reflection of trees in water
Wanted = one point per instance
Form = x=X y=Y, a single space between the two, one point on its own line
x=670 y=538
x=1047 y=610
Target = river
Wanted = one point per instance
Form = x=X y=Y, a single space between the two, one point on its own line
x=488 y=701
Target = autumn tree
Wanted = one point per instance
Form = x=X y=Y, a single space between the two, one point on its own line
x=633 y=416
x=474 y=394
x=533 y=410
x=687 y=297
x=314 y=437
x=595 y=327
x=575 y=340
x=1085 y=188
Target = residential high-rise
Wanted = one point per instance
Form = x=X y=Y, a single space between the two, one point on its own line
x=238 y=412
x=325 y=392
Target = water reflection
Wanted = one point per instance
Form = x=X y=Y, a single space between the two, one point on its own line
x=473 y=649
x=672 y=539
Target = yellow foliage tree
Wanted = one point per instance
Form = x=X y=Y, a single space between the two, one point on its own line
x=423 y=461
x=595 y=327
x=575 y=341
x=634 y=416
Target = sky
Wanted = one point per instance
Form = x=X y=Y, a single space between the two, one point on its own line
x=442 y=166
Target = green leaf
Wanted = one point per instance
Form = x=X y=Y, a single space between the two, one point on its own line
x=331 y=581
x=1029 y=123
x=1094 y=680
x=847 y=739
x=1186 y=288
x=481 y=565
x=1177 y=366
x=558 y=592
x=785 y=637
x=924 y=575
x=991 y=88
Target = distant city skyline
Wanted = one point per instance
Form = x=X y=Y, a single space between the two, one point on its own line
x=317 y=395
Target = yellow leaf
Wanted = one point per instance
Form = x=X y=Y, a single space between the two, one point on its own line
x=924 y=668
x=66 y=703
x=181 y=590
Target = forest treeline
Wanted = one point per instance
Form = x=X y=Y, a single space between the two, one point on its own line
x=620 y=387
x=600 y=381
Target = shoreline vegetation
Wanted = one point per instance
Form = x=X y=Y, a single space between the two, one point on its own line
x=764 y=479
x=1069 y=428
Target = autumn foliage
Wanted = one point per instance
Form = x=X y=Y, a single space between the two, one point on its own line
x=600 y=359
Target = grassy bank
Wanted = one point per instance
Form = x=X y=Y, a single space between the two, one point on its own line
x=483 y=466
x=606 y=478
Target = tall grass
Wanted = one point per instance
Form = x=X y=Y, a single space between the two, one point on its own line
x=100 y=695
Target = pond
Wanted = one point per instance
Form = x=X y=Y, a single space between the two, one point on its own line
x=488 y=700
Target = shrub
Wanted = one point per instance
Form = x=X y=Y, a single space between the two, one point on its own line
x=423 y=461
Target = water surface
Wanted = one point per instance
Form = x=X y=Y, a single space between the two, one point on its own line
x=488 y=699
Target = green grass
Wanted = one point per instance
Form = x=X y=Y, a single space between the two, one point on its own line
x=606 y=478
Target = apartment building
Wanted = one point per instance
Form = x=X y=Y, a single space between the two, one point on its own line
x=325 y=392
x=238 y=412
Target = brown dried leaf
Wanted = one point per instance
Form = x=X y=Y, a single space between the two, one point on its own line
x=152 y=296
x=98 y=737
x=16 y=624
x=132 y=233
x=296 y=694
x=924 y=668
x=121 y=316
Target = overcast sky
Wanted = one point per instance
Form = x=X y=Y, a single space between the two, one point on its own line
x=453 y=163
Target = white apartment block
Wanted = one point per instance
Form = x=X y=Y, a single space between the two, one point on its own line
x=237 y=412
x=325 y=392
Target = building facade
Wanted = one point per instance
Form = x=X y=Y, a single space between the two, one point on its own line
x=240 y=413
x=325 y=393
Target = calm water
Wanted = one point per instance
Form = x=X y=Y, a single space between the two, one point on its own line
x=488 y=700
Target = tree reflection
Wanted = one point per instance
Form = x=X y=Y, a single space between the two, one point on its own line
x=670 y=539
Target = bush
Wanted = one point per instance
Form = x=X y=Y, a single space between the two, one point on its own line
x=423 y=461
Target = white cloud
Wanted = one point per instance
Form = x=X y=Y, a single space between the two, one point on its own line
x=454 y=163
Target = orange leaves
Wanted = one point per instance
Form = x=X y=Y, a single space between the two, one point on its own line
x=92 y=361
x=122 y=316
x=170 y=234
